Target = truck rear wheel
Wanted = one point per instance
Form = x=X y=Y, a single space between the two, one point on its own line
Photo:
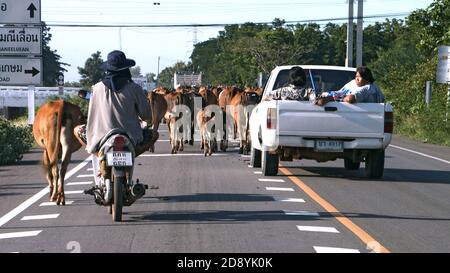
x=255 y=158
x=350 y=165
x=375 y=163
x=269 y=163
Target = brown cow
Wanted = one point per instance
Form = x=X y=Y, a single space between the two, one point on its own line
x=53 y=131
x=240 y=108
x=158 y=104
x=208 y=141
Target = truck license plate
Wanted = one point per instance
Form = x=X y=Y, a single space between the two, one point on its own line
x=119 y=159
x=329 y=146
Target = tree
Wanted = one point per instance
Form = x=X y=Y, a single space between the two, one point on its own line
x=51 y=65
x=136 y=71
x=91 y=72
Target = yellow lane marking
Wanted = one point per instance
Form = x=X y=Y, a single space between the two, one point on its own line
x=370 y=242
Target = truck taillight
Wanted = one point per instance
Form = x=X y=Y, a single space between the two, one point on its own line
x=388 y=122
x=271 y=118
x=119 y=143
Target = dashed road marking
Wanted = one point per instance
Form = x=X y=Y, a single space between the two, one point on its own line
x=30 y=201
x=270 y=180
x=79 y=183
x=40 y=217
x=45 y=204
x=173 y=155
x=302 y=213
x=19 y=234
x=85 y=175
x=318 y=229
x=325 y=249
x=296 y=200
x=73 y=192
x=279 y=189
x=355 y=229
x=257 y=172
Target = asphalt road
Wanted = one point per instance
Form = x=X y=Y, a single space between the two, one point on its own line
x=219 y=204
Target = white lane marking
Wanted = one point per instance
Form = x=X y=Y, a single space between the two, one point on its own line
x=325 y=249
x=257 y=172
x=318 y=229
x=246 y=156
x=296 y=200
x=301 y=213
x=85 y=175
x=79 y=183
x=169 y=155
x=19 y=234
x=45 y=204
x=89 y=169
x=73 y=192
x=418 y=153
x=30 y=201
x=270 y=180
x=279 y=189
x=40 y=217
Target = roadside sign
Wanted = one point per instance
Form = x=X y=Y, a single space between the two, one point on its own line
x=443 y=67
x=20 y=41
x=20 y=12
x=20 y=71
x=142 y=81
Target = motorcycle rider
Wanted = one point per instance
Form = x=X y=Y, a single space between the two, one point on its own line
x=118 y=103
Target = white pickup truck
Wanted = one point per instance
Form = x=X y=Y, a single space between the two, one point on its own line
x=290 y=129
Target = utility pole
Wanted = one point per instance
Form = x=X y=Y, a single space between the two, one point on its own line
x=349 y=58
x=157 y=75
x=120 y=38
x=359 y=34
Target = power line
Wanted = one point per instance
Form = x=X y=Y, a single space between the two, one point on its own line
x=387 y=15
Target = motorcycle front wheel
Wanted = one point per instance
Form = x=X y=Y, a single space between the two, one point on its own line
x=118 y=183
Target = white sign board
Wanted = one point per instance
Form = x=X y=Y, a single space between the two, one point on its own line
x=142 y=81
x=20 y=41
x=20 y=11
x=443 y=67
x=20 y=71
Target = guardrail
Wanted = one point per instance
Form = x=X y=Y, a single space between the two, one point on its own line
x=17 y=96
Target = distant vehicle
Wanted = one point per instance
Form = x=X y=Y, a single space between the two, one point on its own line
x=291 y=129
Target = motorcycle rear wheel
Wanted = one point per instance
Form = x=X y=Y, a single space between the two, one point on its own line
x=117 y=204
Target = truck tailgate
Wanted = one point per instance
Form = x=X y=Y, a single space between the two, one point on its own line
x=334 y=120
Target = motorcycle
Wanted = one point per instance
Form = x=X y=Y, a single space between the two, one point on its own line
x=113 y=171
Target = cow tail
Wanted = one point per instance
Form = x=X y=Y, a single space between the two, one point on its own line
x=59 y=119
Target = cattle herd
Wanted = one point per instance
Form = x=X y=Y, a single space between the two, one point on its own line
x=219 y=113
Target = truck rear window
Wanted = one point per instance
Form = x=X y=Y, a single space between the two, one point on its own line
x=324 y=79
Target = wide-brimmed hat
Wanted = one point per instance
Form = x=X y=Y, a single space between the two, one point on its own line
x=117 y=61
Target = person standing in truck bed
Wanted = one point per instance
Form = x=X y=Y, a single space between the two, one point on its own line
x=361 y=89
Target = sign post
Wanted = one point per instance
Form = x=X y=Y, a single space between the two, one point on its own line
x=443 y=71
x=21 y=46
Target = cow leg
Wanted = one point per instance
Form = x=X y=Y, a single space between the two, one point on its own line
x=55 y=176
x=48 y=173
x=206 y=146
x=66 y=141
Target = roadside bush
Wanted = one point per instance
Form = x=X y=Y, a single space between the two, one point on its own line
x=14 y=141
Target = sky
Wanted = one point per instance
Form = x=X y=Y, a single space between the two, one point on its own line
x=171 y=44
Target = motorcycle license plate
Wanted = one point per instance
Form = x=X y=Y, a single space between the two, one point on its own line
x=119 y=159
x=329 y=146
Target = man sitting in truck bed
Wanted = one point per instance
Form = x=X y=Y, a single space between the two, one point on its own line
x=295 y=88
x=361 y=89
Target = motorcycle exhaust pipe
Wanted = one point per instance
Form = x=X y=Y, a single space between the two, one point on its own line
x=138 y=190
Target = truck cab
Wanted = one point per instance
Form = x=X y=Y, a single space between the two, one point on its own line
x=285 y=130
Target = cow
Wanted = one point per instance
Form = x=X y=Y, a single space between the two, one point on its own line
x=240 y=107
x=159 y=107
x=224 y=100
x=53 y=130
x=208 y=141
